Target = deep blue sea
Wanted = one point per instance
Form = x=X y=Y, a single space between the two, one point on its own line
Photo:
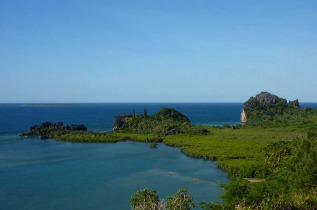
x=17 y=118
x=48 y=174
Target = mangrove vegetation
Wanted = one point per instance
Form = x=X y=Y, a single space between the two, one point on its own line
x=270 y=158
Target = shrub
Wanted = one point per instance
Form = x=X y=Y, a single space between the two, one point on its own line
x=180 y=201
x=144 y=199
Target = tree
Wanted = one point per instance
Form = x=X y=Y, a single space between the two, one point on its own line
x=145 y=199
x=145 y=113
x=180 y=201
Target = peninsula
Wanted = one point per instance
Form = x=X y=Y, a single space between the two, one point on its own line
x=270 y=157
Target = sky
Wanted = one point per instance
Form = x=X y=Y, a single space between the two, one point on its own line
x=72 y=51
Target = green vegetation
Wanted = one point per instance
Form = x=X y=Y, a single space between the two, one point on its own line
x=167 y=121
x=48 y=129
x=79 y=133
x=145 y=113
x=290 y=184
x=145 y=199
x=271 y=161
x=284 y=115
x=240 y=152
x=149 y=200
x=268 y=110
x=180 y=201
x=88 y=136
x=153 y=145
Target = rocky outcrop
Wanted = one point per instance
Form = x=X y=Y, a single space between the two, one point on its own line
x=244 y=119
x=294 y=104
x=119 y=120
x=262 y=101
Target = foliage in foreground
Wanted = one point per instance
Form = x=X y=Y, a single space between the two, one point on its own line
x=180 y=201
x=149 y=200
x=145 y=199
x=291 y=182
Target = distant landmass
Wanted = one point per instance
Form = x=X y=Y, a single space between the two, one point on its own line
x=50 y=105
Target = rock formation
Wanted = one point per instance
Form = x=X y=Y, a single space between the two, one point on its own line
x=262 y=101
x=119 y=120
x=243 y=117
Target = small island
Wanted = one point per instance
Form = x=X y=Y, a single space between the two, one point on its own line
x=270 y=157
x=49 y=105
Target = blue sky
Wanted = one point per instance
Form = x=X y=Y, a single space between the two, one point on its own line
x=157 y=50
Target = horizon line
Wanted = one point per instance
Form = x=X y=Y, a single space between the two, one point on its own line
x=26 y=103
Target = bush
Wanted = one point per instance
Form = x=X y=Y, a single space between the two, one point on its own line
x=144 y=199
x=291 y=183
x=148 y=200
x=180 y=201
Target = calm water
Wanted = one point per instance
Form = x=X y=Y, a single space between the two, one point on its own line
x=49 y=174
x=99 y=117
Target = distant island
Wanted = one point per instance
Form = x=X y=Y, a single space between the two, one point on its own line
x=50 y=104
x=270 y=157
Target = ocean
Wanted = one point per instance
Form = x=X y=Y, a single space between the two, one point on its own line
x=48 y=174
